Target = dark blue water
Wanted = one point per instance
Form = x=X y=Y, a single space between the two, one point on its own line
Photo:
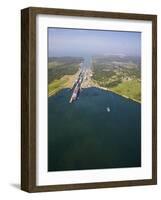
x=83 y=135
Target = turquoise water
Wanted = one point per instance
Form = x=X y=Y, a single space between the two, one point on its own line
x=83 y=135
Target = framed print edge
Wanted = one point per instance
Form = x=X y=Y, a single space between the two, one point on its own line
x=154 y=99
x=28 y=99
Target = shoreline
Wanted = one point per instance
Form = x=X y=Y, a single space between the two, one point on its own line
x=109 y=90
x=95 y=84
x=92 y=83
x=69 y=79
x=119 y=94
x=52 y=93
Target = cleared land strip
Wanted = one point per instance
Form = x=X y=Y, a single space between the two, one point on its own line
x=65 y=82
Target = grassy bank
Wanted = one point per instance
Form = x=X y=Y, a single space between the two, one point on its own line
x=56 y=85
x=61 y=73
x=64 y=82
x=123 y=89
x=121 y=75
x=130 y=89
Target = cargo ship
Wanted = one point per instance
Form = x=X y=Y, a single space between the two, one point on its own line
x=76 y=87
x=75 y=94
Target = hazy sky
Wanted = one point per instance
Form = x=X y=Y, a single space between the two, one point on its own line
x=79 y=42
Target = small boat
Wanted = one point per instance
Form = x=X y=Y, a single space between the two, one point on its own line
x=108 y=109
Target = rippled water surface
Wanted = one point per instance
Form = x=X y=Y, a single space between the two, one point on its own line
x=85 y=135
